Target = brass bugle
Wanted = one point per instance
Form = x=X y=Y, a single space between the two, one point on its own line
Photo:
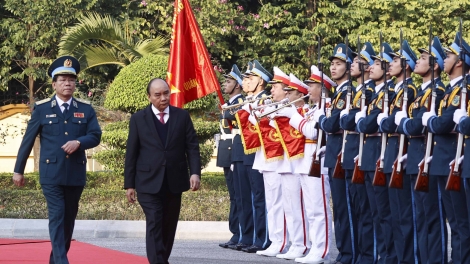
x=286 y=105
x=283 y=101
x=244 y=103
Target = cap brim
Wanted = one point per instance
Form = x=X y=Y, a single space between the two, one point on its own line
x=65 y=73
x=288 y=89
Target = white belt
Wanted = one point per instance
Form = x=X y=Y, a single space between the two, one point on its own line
x=374 y=135
x=227 y=136
x=235 y=131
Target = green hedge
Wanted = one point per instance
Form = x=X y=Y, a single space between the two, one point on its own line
x=107 y=181
x=202 y=205
x=103 y=198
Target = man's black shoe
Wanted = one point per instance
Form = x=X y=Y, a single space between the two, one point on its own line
x=227 y=244
x=252 y=249
x=239 y=246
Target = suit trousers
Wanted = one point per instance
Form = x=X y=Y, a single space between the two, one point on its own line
x=420 y=221
x=62 y=206
x=161 y=214
x=244 y=200
x=275 y=211
x=233 y=224
x=260 y=238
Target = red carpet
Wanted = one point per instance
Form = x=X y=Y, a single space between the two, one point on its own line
x=37 y=251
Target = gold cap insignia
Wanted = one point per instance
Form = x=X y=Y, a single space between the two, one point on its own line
x=339 y=50
x=68 y=63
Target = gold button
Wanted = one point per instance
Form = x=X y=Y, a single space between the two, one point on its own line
x=229 y=148
x=50 y=122
x=65 y=122
x=435 y=143
x=66 y=133
x=79 y=122
x=83 y=162
x=408 y=143
x=47 y=161
x=67 y=156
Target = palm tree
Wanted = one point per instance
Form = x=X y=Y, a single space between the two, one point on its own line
x=97 y=40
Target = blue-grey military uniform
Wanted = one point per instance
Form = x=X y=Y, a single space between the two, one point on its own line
x=445 y=146
x=377 y=195
x=464 y=128
x=400 y=200
x=62 y=176
x=428 y=210
x=360 y=203
x=228 y=124
x=251 y=186
x=344 y=220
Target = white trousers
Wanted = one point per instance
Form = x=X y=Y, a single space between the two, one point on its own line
x=275 y=211
x=316 y=194
x=294 y=211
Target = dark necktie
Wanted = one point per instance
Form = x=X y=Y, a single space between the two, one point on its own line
x=66 y=106
x=161 y=117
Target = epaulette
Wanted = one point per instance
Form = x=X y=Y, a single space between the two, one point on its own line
x=370 y=89
x=83 y=101
x=43 y=101
x=391 y=89
x=441 y=88
x=240 y=100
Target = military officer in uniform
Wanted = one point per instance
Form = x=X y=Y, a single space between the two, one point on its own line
x=400 y=200
x=360 y=209
x=367 y=123
x=329 y=122
x=426 y=206
x=228 y=129
x=67 y=127
x=445 y=147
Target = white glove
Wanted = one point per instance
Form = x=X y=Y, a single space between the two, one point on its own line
x=321 y=151
x=427 y=161
x=344 y=112
x=403 y=160
x=381 y=117
x=317 y=114
x=271 y=124
x=399 y=116
x=252 y=120
x=286 y=111
x=426 y=116
x=361 y=114
x=224 y=105
x=246 y=107
x=459 y=161
x=356 y=158
x=231 y=167
x=458 y=114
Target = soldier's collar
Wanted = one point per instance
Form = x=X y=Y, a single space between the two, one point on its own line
x=454 y=81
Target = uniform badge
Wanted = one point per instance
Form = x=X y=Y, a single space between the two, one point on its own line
x=358 y=104
x=398 y=101
x=379 y=104
x=339 y=50
x=50 y=116
x=456 y=100
x=68 y=63
x=340 y=104
x=79 y=115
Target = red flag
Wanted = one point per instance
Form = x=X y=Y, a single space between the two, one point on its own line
x=190 y=71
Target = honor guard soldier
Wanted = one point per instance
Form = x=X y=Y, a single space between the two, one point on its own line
x=272 y=179
x=66 y=126
x=228 y=130
x=428 y=214
x=445 y=147
x=240 y=181
x=400 y=200
x=367 y=124
x=462 y=119
x=329 y=122
x=365 y=231
x=259 y=78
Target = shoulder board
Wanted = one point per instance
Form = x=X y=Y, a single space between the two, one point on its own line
x=370 y=89
x=391 y=90
x=82 y=101
x=441 y=88
x=43 y=101
x=240 y=100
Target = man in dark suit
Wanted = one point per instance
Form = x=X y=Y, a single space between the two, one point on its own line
x=67 y=127
x=161 y=143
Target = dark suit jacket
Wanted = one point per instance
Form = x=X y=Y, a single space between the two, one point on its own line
x=55 y=129
x=147 y=158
